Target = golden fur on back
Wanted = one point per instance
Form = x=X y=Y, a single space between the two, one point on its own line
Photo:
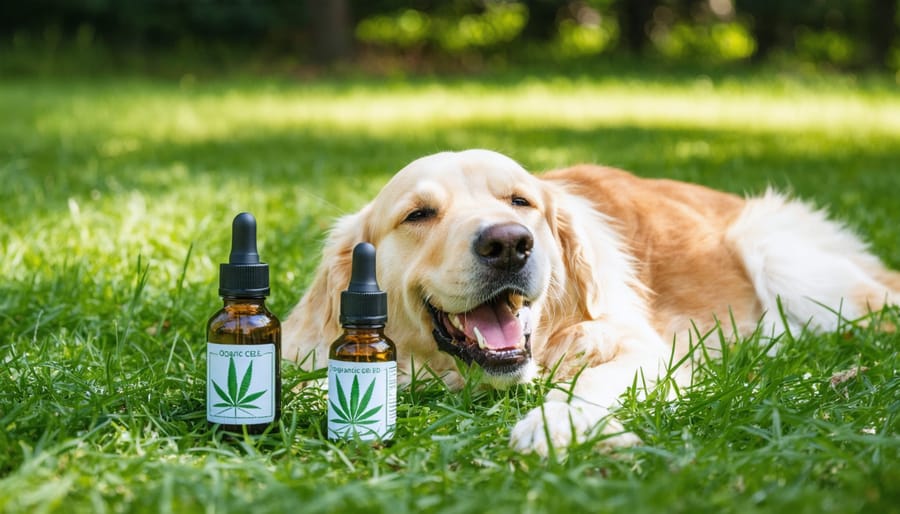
x=676 y=234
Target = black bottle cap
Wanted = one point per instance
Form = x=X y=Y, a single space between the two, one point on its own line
x=244 y=275
x=363 y=303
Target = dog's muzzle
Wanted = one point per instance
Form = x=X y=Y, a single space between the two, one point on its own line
x=496 y=334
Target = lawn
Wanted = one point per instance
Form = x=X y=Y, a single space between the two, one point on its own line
x=117 y=196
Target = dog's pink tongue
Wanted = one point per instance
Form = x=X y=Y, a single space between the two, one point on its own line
x=497 y=324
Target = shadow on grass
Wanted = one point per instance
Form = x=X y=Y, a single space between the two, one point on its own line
x=344 y=168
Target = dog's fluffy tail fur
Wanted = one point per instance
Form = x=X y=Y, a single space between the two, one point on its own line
x=818 y=269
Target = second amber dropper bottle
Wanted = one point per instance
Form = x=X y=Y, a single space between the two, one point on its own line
x=362 y=362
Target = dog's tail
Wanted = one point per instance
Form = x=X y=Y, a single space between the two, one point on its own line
x=813 y=270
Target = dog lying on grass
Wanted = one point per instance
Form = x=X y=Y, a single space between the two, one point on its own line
x=588 y=271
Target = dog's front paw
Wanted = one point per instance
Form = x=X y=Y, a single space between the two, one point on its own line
x=560 y=425
x=556 y=424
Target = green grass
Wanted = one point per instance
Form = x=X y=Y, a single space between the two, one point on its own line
x=117 y=195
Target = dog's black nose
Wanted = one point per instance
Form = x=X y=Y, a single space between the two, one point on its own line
x=504 y=246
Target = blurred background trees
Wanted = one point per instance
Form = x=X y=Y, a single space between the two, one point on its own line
x=838 y=33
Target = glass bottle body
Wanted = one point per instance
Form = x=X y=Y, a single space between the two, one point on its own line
x=363 y=344
x=244 y=352
x=362 y=385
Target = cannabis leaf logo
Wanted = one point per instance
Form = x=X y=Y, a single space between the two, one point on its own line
x=235 y=398
x=356 y=412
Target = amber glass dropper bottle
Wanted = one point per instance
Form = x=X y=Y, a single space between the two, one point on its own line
x=362 y=362
x=243 y=367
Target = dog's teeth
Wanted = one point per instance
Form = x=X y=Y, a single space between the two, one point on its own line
x=524 y=317
x=454 y=320
x=480 y=338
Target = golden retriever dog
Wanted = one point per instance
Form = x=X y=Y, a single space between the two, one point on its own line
x=588 y=271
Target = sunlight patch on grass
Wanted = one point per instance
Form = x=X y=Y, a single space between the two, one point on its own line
x=208 y=114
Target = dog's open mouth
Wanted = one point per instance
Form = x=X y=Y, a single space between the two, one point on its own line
x=495 y=334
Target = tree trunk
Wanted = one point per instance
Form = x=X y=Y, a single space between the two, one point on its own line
x=883 y=29
x=634 y=15
x=541 y=24
x=332 y=33
x=769 y=16
x=766 y=34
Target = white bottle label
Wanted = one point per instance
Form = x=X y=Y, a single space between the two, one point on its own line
x=362 y=400
x=240 y=383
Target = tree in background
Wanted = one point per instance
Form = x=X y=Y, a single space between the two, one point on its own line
x=770 y=23
x=634 y=23
x=331 y=29
x=883 y=23
x=542 y=19
x=843 y=33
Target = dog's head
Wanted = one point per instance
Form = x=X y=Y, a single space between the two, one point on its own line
x=469 y=249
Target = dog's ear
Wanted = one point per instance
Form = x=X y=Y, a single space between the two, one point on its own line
x=580 y=281
x=314 y=323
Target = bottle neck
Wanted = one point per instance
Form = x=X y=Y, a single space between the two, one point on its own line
x=363 y=329
x=234 y=300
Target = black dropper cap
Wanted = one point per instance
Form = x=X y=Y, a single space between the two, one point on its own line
x=244 y=276
x=363 y=303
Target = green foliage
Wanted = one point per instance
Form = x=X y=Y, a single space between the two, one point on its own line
x=719 y=41
x=827 y=46
x=577 y=39
x=151 y=21
x=118 y=194
x=837 y=33
x=403 y=30
x=501 y=22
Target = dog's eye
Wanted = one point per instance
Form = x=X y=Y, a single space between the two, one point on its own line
x=420 y=215
x=518 y=201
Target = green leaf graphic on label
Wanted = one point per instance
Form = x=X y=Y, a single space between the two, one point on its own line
x=235 y=398
x=355 y=412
